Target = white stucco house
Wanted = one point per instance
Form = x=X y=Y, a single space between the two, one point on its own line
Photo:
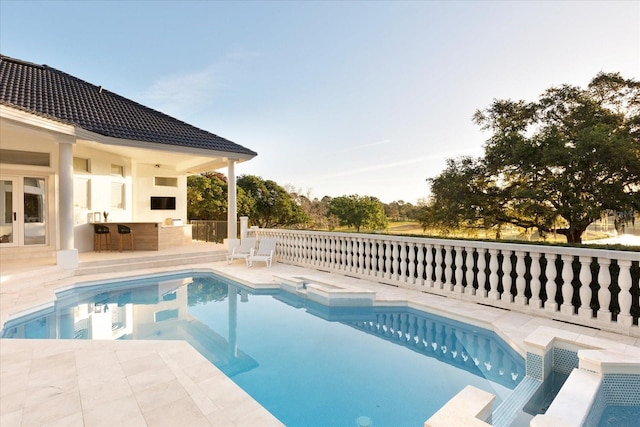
x=70 y=150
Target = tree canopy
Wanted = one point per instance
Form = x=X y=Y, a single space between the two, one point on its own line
x=207 y=196
x=556 y=164
x=356 y=211
x=269 y=205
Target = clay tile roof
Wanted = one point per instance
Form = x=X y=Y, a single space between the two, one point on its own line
x=50 y=93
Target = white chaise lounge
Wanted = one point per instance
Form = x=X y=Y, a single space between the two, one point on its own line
x=241 y=249
x=266 y=249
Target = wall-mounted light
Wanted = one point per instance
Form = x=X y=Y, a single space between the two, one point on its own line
x=157 y=165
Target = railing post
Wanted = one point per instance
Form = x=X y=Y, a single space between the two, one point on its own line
x=604 y=294
x=493 y=275
x=551 y=287
x=585 y=290
x=521 y=282
x=567 y=286
x=624 y=298
x=535 y=301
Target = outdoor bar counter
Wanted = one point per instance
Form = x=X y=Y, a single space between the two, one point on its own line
x=150 y=236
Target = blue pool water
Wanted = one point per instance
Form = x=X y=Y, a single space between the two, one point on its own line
x=308 y=364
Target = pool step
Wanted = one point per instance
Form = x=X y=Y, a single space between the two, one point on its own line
x=509 y=409
x=144 y=262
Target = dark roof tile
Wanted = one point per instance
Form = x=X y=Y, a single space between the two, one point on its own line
x=53 y=94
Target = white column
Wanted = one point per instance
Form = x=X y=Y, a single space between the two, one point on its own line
x=232 y=209
x=67 y=254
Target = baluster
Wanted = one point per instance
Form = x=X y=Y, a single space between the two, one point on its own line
x=584 y=310
x=470 y=273
x=507 y=280
x=448 y=269
x=420 y=267
x=324 y=242
x=604 y=294
x=521 y=282
x=535 y=300
x=459 y=273
x=429 y=266
x=334 y=255
x=551 y=272
x=402 y=257
x=376 y=256
x=393 y=273
x=358 y=258
x=367 y=257
x=387 y=261
x=438 y=282
x=481 y=292
x=624 y=297
x=411 y=267
x=493 y=275
x=343 y=254
x=567 y=286
x=353 y=254
x=380 y=252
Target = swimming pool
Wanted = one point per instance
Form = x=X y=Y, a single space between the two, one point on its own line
x=307 y=363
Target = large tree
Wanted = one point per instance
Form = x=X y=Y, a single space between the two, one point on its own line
x=356 y=211
x=270 y=204
x=207 y=196
x=556 y=164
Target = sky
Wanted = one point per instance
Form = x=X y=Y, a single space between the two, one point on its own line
x=336 y=97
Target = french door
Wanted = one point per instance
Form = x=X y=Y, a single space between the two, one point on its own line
x=23 y=211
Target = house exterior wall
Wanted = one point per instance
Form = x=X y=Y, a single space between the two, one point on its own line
x=144 y=187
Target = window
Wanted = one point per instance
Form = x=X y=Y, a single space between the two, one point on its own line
x=82 y=193
x=165 y=181
x=80 y=164
x=117 y=195
x=16 y=157
x=117 y=170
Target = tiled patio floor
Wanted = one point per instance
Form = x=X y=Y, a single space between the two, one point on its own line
x=162 y=383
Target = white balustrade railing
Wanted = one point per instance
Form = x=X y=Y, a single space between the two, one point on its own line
x=593 y=287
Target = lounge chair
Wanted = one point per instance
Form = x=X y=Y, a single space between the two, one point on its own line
x=266 y=249
x=241 y=250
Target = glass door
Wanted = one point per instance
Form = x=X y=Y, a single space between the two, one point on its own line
x=34 y=193
x=23 y=211
x=8 y=213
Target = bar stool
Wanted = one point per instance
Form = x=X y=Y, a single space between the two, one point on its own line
x=123 y=229
x=101 y=237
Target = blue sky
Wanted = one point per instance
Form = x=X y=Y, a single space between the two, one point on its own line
x=337 y=98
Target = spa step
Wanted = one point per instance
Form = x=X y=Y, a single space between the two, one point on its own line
x=509 y=409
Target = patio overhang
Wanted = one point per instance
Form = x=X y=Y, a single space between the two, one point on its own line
x=186 y=160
